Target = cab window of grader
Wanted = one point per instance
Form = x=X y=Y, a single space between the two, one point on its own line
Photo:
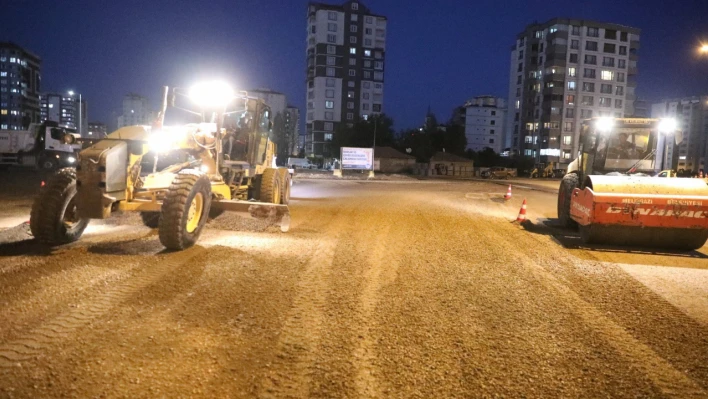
x=264 y=123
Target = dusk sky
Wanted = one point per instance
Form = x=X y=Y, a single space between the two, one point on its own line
x=439 y=53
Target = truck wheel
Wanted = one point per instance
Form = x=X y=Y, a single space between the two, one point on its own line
x=569 y=183
x=271 y=189
x=150 y=219
x=185 y=210
x=54 y=219
x=47 y=164
x=285 y=183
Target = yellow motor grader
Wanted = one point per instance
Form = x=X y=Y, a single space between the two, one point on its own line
x=175 y=176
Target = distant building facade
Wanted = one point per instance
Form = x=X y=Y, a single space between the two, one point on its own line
x=20 y=79
x=97 y=130
x=292 y=126
x=136 y=111
x=562 y=72
x=63 y=109
x=346 y=51
x=691 y=114
x=485 y=117
x=275 y=100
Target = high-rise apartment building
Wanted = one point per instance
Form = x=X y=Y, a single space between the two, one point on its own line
x=292 y=126
x=485 y=117
x=136 y=111
x=64 y=110
x=97 y=130
x=20 y=79
x=691 y=114
x=562 y=72
x=346 y=51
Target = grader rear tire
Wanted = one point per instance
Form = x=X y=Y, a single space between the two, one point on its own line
x=271 y=190
x=185 y=210
x=54 y=220
x=285 y=182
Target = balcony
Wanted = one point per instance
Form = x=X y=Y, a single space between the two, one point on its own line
x=558 y=89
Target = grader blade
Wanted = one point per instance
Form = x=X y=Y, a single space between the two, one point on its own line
x=278 y=215
x=642 y=211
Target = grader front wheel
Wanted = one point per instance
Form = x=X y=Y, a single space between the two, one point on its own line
x=54 y=219
x=185 y=210
x=285 y=182
x=271 y=190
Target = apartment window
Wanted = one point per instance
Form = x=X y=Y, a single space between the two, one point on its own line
x=589 y=73
x=607 y=75
x=605 y=102
x=492 y=122
x=352 y=61
x=491 y=141
x=587 y=100
x=620 y=76
x=606 y=89
x=365 y=106
x=328 y=136
x=331 y=49
x=518 y=92
x=571 y=72
x=368 y=31
x=528 y=139
x=566 y=154
x=573 y=57
x=593 y=32
x=352 y=50
x=618 y=103
x=329 y=115
x=367 y=53
x=377 y=108
x=585 y=113
x=521 y=67
x=623 y=50
x=329 y=93
x=330 y=60
x=355 y=17
x=619 y=90
x=332 y=16
x=355 y=6
x=567 y=140
x=528 y=153
x=332 y=27
x=378 y=55
x=350 y=116
x=540 y=60
x=350 y=94
x=369 y=20
x=352 y=72
x=350 y=84
x=575 y=30
x=378 y=75
x=608 y=61
x=570 y=99
x=366 y=96
x=350 y=105
x=367 y=85
x=570 y=112
x=331 y=38
x=608 y=48
x=328 y=126
x=352 y=28
x=575 y=44
x=610 y=34
x=352 y=39
x=571 y=85
x=367 y=42
x=521 y=54
x=378 y=65
x=568 y=127
x=330 y=71
x=518 y=80
x=590 y=59
x=623 y=36
x=494 y=113
x=591 y=46
x=622 y=64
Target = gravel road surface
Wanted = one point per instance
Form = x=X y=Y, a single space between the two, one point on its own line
x=380 y=289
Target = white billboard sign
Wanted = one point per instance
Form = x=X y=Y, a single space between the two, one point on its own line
x=357 y=158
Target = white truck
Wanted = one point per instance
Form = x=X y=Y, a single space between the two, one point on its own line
x=43 y=146
x=300 y=163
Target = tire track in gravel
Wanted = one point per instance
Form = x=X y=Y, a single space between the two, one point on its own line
x=671 y=381
x=32 y=344
x=290 y=374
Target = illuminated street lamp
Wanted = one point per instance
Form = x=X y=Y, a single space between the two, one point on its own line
x=704 y=48
x=71 y=93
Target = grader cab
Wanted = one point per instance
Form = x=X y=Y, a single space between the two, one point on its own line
x=175 y=176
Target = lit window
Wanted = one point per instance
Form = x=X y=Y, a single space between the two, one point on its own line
x=352 y=50
x=367 y=53
x=572 y=72
x=567 y=140
x=350 y=94
x=607 y=75
x=571 y=85
x=328 y=136
x=3 y=112
x=329 y=104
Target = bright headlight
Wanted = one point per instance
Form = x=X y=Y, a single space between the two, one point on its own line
x=604 y=124
x=668 y=125
x=159 y=143
x=211 y=94
x=71 y=159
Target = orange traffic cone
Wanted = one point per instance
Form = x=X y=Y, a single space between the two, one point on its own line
x=507 y=196
x=522 y=213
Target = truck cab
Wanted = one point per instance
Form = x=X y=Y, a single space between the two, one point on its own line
x=44 y=146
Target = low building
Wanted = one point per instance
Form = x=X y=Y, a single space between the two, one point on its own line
x=97 y=130
x=389 y=160
x=446 y=164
